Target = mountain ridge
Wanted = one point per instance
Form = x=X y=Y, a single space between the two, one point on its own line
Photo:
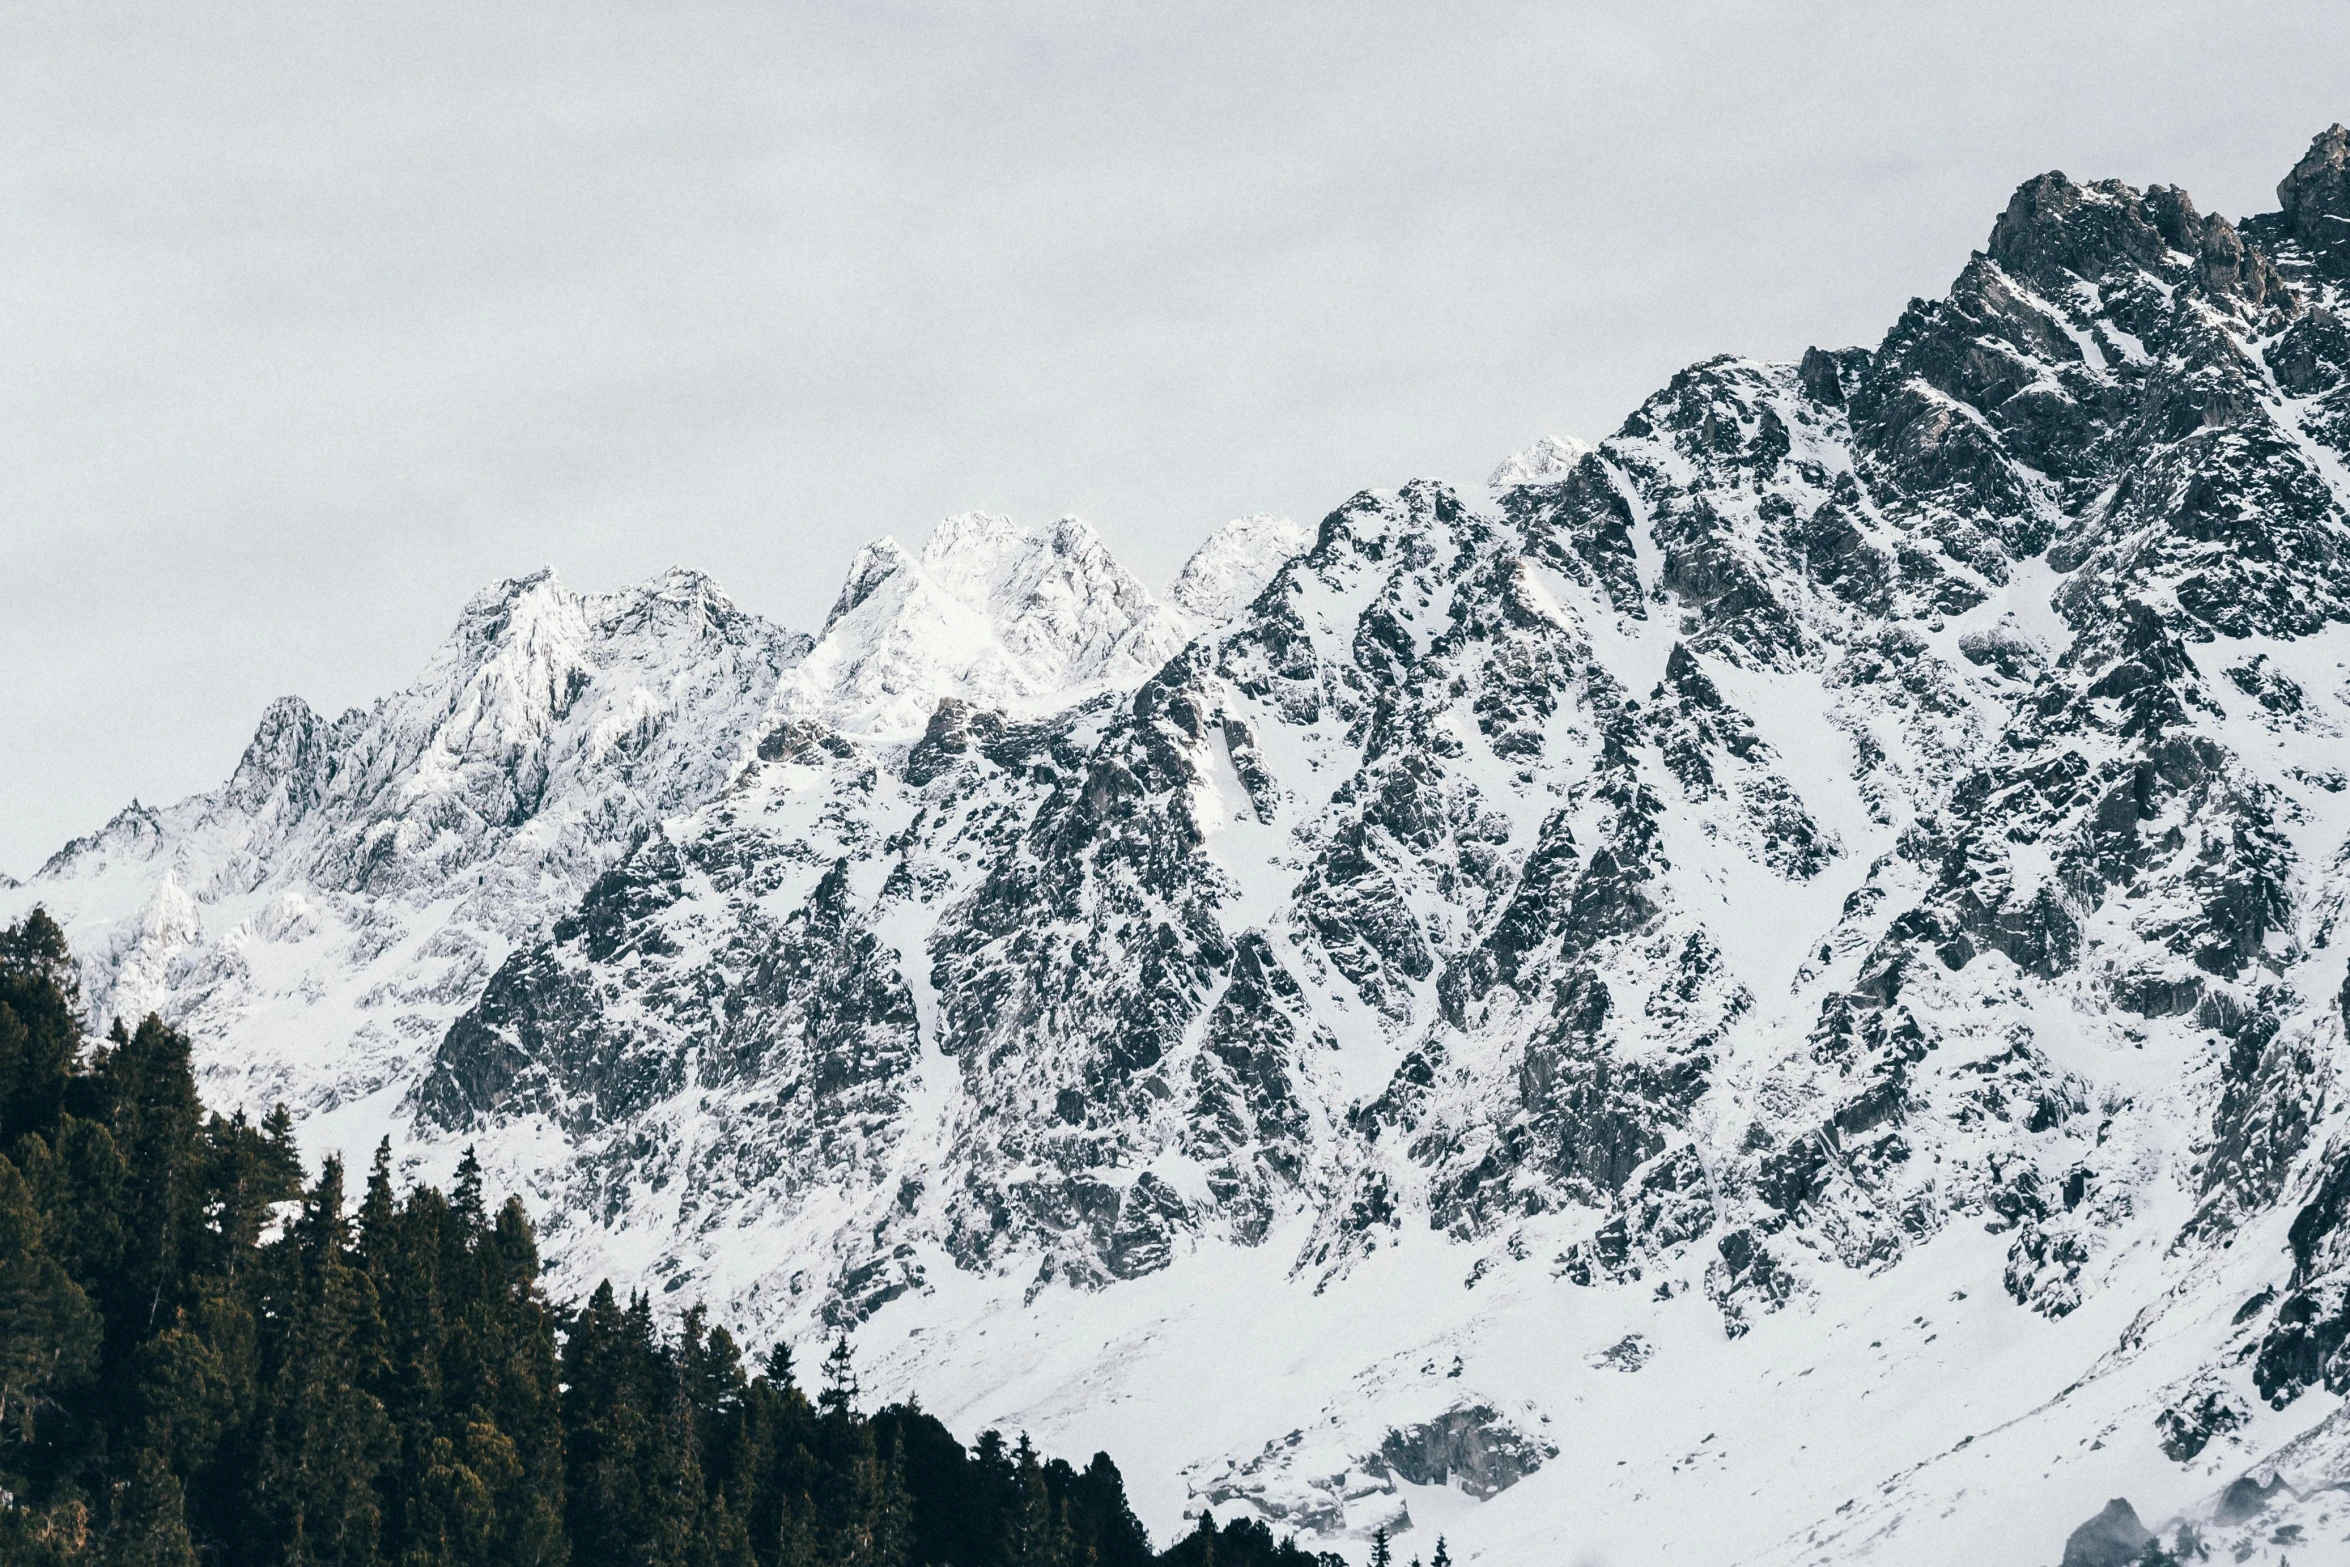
x=1853 y=858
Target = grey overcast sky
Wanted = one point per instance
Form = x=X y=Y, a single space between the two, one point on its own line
x=316 y=318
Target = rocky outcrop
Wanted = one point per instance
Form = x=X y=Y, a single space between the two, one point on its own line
x=1474 y=1449
x=2114 y=1538
x=2314 y=203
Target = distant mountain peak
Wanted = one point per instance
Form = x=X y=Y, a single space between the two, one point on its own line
x=1548 y=460
x=1020 y=617
x=1234 y=565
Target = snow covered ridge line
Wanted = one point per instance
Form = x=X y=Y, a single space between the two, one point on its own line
x=359 y=879
x=1793 y=953
x=1017 y=620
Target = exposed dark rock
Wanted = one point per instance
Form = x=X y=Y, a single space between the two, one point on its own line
x=2246 y=1499
x=1582 y=525
x=1475 y=1448
x=2315 y=199
x=1825 y=373
x=2313 y=355
x=2188 y=1426
x=2114 y=1538
x=1628 y=1353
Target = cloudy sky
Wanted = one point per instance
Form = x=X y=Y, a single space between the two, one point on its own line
x=316 y=318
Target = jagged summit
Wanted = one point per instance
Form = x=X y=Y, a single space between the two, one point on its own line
x=364 y=875
x=1233 y=566
x=1021 y=619
x=1550 y=458
x=1018 y=619
x=1793 y=953
x=2314 y=202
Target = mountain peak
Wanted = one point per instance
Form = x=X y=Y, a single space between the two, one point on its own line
x=2315 y=198
x=682 y=584
x=508 y=591
x=288 y=749
x=2053 y=225
x=1548 y=460
x=986 y=559
x=870 y=568
x=1000 y=613
x=978 y=538
x=1234 y=565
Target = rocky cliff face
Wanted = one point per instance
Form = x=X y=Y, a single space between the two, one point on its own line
x=1793 y=953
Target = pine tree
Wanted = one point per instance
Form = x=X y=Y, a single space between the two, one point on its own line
x=56 y=1536
x=779 y=1367
x=1203 y=1542
x=893 y=1531
x=795 y=1543
x=634 y=1489
x=185 y=1385
x=277 y=1130
x=379 y=1212
x=240 y=1176
x=48 y=1332
x=1382 y=1554
x=839 y=1397
x=39 y=1034
x=522 y=1397
x=150 y=1521
x=726 y=1537
x=324 y=1439
x=995 y=1503
x=675 y=1494
x=465 y=1197
x=770 y=1450
x=603 y=1428
x=1105 y=1522
x=81 y=1182
x=1043 y=1530
x=866 y=1531
x=148 y=1093
x=451 y=1516
x=1443 y=1556
x=711 y=1367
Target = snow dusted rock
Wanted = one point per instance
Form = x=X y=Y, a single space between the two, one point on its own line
x=2287 y=1506
x=1830 y=900
x=1549 y=459
x=1475 y=1448
x=1011 y=618
x=2315 y=199
x=1233 y=566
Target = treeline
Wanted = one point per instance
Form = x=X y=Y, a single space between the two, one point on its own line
x=206 y=1360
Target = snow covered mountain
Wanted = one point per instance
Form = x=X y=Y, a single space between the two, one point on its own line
x=1231 y=568
x=1768 y=989
x=991 y=613
x=322 y=917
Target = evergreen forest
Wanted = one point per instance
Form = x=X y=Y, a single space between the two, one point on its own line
x=208 y=1356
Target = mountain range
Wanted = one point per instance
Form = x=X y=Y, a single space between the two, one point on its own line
x=1769 y=989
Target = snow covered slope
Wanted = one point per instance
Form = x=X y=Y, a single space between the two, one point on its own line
x=1766 y=989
